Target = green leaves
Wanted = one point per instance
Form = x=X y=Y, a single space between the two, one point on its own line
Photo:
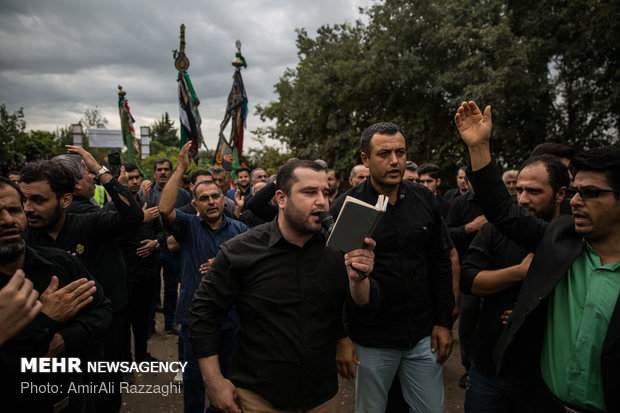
x=549 y=69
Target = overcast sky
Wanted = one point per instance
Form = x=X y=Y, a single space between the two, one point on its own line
x=61 y=57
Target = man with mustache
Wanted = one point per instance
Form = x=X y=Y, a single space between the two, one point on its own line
x=289 y=290
x=48 y=188
x=411 y=333
x=73 y=314
x=566 y=322
x=199 y=237
x=494 y=268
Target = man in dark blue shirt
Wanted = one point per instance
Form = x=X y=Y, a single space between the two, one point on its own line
x=199 y=237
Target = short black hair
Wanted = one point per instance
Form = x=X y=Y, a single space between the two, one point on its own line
x=13 y=172
x=198 y=172
x=243 y=169
x=429 y=168
x=605 y=160
x=383 y=128
x=556 y=149
x=58 y=176
x=160 y=161
x=130 y=167
x=286 y=175
x=4 y=181
x=336 y=173
x=255 y=170
x=556 y=170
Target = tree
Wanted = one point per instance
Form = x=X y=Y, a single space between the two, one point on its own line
x=549 y=69
x=267 y=157
x=163 y=132
x=12 y=126
x=93 y=118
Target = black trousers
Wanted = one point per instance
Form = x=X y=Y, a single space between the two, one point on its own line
x=140 y=297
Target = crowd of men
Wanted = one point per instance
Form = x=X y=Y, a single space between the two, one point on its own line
x=267 y=315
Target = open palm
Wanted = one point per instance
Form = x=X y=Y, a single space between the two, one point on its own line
x=474 y=127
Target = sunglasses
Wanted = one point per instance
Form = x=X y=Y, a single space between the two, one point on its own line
x=588 y=192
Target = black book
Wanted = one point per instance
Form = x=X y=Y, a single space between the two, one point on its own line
x=356 y=221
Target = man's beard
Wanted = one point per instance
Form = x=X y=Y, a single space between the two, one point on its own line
x=53 y=219
x=11 y=251
x=296 y=220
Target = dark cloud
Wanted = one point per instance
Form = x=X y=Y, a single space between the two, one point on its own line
x=61 y=57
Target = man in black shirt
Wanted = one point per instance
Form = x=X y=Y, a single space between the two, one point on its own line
x=289 y=290
x=73 y=313
x=461 y=186
x=411 y=333
x=48 y=188
x=138 y=248
x=494 y=268
x=465 y=218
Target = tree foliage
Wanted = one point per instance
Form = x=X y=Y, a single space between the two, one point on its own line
x=549 y=69
x=12 y=126
x=163 y=132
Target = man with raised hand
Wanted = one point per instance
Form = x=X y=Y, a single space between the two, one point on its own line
x=199 y=237
x=566 y=322
x=494 y=268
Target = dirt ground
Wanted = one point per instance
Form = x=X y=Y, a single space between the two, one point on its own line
x=164 y=347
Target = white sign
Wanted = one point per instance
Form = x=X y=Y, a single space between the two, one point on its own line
x=105 y=138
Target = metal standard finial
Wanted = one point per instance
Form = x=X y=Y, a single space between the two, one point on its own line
x=121 y=92
x=181 y=62
x=238 y=61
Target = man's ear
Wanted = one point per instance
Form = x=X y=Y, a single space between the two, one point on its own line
x=65 y=200
x=560 y=195
x=281 y=199
x=364 y=159
x=438 y=181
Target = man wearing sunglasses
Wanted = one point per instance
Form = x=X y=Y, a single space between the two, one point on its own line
x=566 y=323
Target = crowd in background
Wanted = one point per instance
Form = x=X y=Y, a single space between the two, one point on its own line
x=98 y=250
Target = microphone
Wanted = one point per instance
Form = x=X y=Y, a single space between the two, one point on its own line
x=327 y=222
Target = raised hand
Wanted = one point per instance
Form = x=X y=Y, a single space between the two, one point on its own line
x=183 y=159
x=473 y=125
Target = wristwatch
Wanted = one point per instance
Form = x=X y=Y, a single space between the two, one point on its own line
x=102 y=171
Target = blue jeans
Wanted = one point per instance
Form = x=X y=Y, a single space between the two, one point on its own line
x=193 y=388
x=420 y=375
x=487 y=393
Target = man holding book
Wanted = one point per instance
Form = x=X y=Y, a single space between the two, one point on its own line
x=410 y=335
x=289 y=290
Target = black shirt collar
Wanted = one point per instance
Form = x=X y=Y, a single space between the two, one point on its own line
x=275 y=236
